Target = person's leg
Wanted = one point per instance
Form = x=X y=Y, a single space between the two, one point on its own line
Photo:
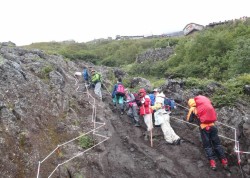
x=169 y=134
x=120 y=101
x=98 y=89
x=205 y=137
x=149 y=124
x=130 y=114
x=217 y=146
x=114 y=100
x=135 y=115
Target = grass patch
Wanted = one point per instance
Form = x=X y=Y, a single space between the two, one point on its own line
x=45 y=72
x=86 y=141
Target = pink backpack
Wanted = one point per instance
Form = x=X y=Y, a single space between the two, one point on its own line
x=120 y=91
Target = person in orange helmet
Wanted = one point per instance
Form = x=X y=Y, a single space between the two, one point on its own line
x=202 y=111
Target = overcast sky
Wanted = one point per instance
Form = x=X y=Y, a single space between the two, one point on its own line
x=27 y=21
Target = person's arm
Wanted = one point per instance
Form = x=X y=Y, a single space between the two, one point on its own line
x=156 y=106
x=191 y=115
x=114 y=90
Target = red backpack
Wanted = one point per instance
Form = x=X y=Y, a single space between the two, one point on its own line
x=120 y=91
x=205 y=110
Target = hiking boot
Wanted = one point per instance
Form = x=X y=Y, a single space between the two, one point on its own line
x=137 y=124
x=213 y=164
x=146 y=137
x=224 y=163
x=177 y=142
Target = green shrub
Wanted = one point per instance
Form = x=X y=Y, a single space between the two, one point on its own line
x=45 y=71
x=86 y=141
x=197 y=83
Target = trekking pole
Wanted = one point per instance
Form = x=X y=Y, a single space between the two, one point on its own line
x=151 y=138
x=151 y=132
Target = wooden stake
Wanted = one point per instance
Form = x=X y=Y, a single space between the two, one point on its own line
x=151 y=137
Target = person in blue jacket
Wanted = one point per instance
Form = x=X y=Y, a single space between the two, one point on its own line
x=85 y=75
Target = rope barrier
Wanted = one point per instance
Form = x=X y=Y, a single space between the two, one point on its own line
x=198 y=126
x=93 y=119
x=106 y=89
x=236 y=142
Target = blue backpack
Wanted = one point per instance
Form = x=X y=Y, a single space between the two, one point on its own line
x=85 y=74
x=169 y=103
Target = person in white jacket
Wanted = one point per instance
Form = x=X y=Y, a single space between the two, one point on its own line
x=162 y=118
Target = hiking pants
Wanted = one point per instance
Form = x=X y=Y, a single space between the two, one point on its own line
x=97 y=89
x=169 y=134
x=211 y=143
x=148 y=121
x=133 y=113
x=119 y=100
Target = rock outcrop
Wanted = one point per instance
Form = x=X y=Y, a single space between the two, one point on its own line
x=155 y=54
x=41 y=109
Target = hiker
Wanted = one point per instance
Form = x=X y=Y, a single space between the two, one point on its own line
x=169 y=104
x=153 y=95
x=132 y=108
x=202 y=112
x=96 y=82
x=146 y=111
x=118 y=94
x=85 y=75
x=162 y=119
x=152 y=99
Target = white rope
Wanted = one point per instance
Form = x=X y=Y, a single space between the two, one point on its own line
x=198 y=126
x=77 y=155
x=237 y=145
x=93 y=130
x=106 y=89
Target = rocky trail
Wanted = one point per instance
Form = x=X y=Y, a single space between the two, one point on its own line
x=41 y=109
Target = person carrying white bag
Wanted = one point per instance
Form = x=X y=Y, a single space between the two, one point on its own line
x=162 y=118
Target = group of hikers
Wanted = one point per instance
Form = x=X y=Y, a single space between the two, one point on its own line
x=155 y=108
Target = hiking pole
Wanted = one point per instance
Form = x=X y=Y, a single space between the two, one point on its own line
x=151 y=132
x=151 y=137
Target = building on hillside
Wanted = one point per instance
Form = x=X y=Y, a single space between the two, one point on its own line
x=192 y=27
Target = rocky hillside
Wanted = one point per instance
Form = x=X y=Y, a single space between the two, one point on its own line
x=40 y=109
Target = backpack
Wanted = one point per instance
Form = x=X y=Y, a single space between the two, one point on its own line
x=205 y=110
x=137 y=99
x=169 y=104
x=85 y=74
x=120 y=90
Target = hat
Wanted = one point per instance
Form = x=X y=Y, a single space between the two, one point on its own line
x=77 y=74
x=156 y=90
x=161 y=95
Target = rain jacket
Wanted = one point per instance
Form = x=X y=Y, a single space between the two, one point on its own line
x=95 y=78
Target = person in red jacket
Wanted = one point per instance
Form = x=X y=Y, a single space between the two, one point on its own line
x=146 y=111
x=202 y=112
